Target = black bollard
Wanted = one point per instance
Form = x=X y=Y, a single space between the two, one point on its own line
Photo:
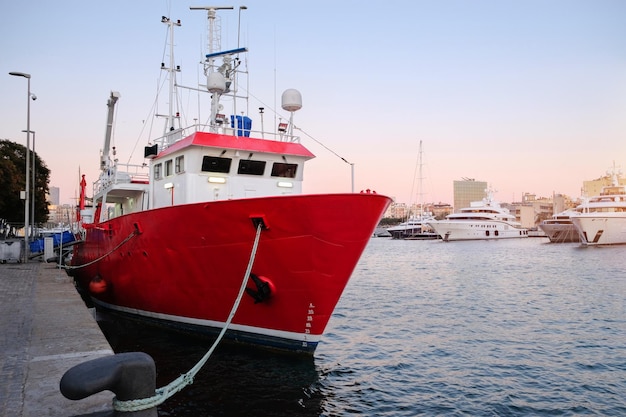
x=130 y=376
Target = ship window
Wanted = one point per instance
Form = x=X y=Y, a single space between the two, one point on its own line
x=179 y=165
x=157 y=172
x=168 y=168
x=216 y=164
x=280 y=169
x=251 y=167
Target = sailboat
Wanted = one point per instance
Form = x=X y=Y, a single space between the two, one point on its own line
x=216 y=207
x=416 y=227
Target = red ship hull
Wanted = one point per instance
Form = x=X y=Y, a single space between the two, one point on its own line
x=183 y=265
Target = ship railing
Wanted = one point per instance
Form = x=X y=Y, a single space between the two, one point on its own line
x=122 y=174
x=177 y=134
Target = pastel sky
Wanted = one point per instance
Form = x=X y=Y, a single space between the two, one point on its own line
x=529 y=95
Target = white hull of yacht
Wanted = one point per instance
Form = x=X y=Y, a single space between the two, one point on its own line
x=560 y=232
x=451 y=230
x=601 y=228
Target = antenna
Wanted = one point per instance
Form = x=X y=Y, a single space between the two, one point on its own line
x=239 y=24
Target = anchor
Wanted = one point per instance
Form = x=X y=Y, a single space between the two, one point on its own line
x=263 y=290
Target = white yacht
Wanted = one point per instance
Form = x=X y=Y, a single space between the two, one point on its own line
x=602 y=219
x=415 y=227
x=484 y=219
x=559 y=228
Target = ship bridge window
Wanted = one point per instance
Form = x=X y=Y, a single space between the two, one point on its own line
x=168 y=168
x=251 y=167
x=157 y=171
x=280 y=169
x=216 y=164
x=179 y=166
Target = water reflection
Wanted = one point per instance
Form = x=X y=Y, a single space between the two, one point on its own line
x=237 y=380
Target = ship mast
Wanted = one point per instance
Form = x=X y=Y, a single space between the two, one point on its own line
x=221 y=79
x=214 y=42
x=171 y=70
x=217 y=83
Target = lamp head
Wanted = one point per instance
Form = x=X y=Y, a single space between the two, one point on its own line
x=19 y=74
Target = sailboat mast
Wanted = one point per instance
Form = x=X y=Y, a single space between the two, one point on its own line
x=421 y=194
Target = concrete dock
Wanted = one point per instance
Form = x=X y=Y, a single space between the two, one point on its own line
x=45 y=329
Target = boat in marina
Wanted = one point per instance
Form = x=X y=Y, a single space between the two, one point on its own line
x=416 y=226
x=601 y=220
x=559 y=228
x=217 y=207
x=482 y=220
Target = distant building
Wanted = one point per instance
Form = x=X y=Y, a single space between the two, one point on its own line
x=54 y=196
x=532 y=210
x=562 y=202
x=526 y=215
x=466 y=191
x=440 y=210
x=61 y=214
x=594 y=187
x=397 y=211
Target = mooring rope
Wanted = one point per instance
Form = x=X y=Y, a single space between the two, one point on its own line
x=70 y=267
x=162 y=394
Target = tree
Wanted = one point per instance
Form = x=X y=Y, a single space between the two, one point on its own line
x=13 y=180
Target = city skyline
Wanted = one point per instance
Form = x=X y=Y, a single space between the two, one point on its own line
x=529 y=97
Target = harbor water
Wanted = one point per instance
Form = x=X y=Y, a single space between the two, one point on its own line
x=482 y=328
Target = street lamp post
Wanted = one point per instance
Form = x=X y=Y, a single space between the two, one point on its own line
x=32 y=199
x=26 y=192
x=33 y=195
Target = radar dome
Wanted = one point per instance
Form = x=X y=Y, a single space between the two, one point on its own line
x=215 y=82
x=292 y=100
